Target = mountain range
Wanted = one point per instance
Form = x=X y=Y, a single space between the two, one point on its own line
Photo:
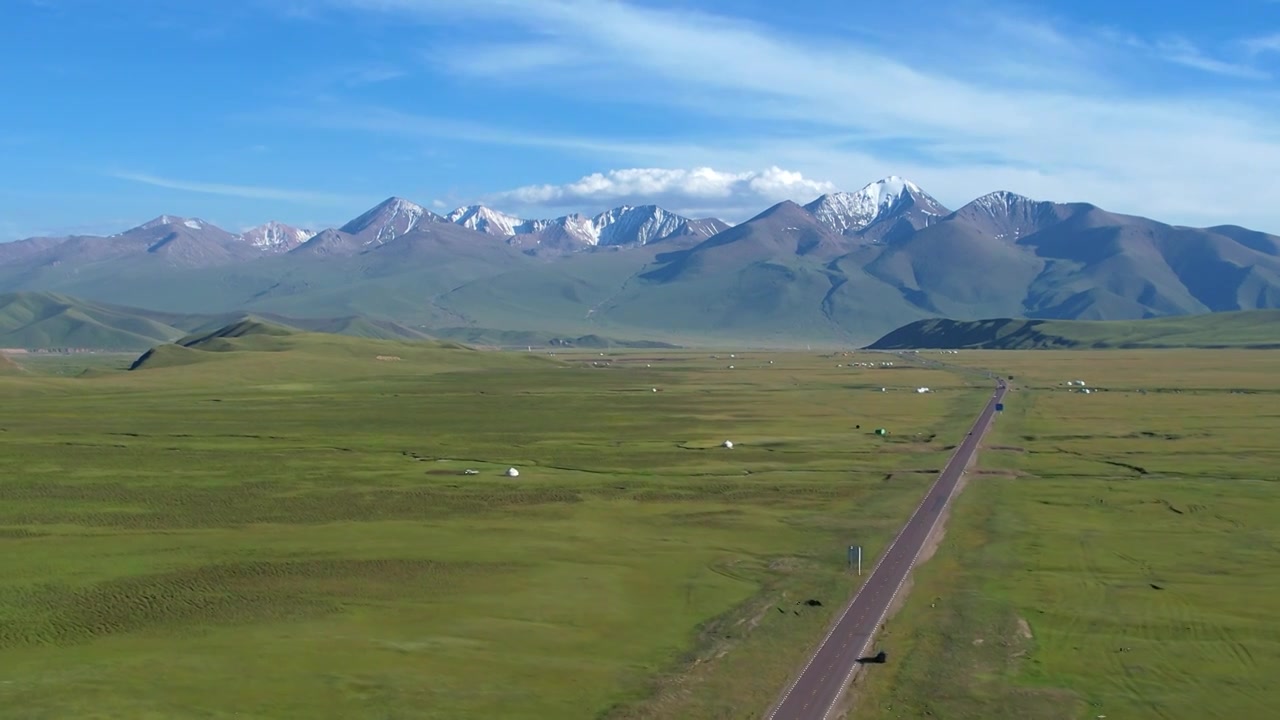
x=846 y=267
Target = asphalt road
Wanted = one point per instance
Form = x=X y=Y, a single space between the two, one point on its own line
x=824 y=678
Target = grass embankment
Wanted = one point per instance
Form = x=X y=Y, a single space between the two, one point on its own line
x=288 y=532
x=1118 y=556
x=1244 y=329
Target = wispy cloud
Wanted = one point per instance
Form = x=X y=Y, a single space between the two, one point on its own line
x=390 y=121
x=505 y=58
x=1184 y=149
x=1263 y=44
x=242 y=191
x=1180 y=51
x=678 y=189
x=371 y=75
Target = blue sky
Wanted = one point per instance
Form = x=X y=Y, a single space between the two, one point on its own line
x=310 y=111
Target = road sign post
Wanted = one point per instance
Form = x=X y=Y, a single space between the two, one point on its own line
x=855 y=557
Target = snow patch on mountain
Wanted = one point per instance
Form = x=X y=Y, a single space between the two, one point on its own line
x=158 y=222
x=276 y=236
x=844 y=211
x=1001 y=202
x=389 y=220
x=1007 y=216
x=163 y=220
x=635 y=225
x=489 y=221
x=624 y=225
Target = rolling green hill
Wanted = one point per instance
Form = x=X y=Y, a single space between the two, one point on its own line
x=51 y=320
x=254 y=351
x=1244 y=329
x=522 y=338
x=48 y=320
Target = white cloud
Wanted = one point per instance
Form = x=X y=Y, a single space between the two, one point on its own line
x=243 y=191
x=677 y=189
x=1176 y=150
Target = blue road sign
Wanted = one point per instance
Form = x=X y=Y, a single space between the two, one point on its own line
x=999 y=407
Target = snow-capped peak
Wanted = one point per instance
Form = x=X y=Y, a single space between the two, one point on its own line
x=1008 y=216
x=843 y=211
x=193 y=223
x=157 y=222
x=625 y=225
x=892 y=186
x=487 y=220
x=276 y=236
x=640 y=225
x=389 y=220
x=1000 y=201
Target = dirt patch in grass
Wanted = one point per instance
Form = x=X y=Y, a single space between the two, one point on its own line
x=786 y=565
x=716 y=639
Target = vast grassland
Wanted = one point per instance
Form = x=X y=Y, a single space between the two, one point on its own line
x=288 y=532
x=1117 y=558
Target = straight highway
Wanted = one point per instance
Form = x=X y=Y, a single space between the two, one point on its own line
x=817 y=690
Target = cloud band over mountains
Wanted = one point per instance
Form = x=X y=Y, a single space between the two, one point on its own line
x=677 y=188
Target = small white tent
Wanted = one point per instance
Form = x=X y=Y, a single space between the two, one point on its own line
x=512 y=472
x=727 y=444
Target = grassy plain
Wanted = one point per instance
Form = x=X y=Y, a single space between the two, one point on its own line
x=286 y=531
x=1117 y=558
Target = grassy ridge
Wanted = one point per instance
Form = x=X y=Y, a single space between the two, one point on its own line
x=48 y=320
x=289 y=533
x=1249 y=329
x=1115 y=556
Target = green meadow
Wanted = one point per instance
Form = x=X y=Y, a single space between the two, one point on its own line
x=1117 y=554
x=270 y=525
